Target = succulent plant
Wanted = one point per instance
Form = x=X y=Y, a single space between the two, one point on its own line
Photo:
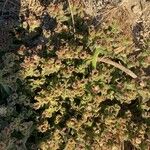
x=84 y=90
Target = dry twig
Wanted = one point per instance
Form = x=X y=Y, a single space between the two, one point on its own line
x=119 y=66
x=72 y=16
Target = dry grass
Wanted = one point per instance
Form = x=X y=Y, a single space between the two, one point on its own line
x=122 y=17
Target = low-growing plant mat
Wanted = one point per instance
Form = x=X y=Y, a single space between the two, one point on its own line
x=75 y=75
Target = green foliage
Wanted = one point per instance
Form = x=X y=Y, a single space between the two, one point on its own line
x=62 y=97
x=98 y=50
